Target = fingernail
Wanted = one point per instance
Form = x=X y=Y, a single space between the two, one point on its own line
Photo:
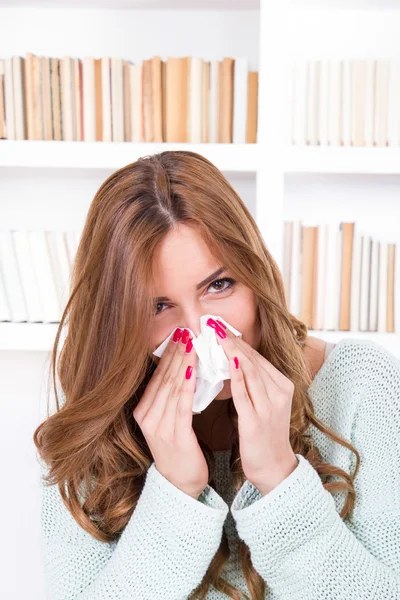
x=177 y=335
x=189 y=346
x=221 y=333
x=189 y=372
x=212 y=323
x=215 y=325
x=185 y=336
x=221 y=323
x=236 y=361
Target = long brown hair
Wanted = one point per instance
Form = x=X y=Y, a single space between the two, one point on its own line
x=92 y=442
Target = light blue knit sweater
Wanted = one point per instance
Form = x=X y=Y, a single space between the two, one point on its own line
x=298 y=542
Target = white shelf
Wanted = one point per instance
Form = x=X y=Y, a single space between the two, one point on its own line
x=342 y=159
x=41 y=336
x=27 y=336
x=137 y=4
x=240 y=158
x=390 y=341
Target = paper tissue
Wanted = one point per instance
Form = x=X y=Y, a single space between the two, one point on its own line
x=212 y=366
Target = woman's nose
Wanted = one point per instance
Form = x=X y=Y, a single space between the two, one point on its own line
x=192 y=322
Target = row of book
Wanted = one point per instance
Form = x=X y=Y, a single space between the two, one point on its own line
x=339 y=278
x=335 y=277
x=345 y=102
x=180 y=99
x=35 y=271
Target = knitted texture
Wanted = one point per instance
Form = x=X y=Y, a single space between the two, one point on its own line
x=298 y=542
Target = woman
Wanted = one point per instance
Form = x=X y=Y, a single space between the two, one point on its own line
x=142 y=487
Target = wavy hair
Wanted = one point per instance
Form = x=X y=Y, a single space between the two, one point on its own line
x=92 y=441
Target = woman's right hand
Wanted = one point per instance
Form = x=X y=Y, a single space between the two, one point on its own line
x=164 y=414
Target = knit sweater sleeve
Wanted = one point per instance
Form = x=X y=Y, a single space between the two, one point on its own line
x=163 y=551
x=298 y=542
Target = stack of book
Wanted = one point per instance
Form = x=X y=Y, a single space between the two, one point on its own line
x=337 y=278
x=345 y=102
x=180 y=99
x=35 y=271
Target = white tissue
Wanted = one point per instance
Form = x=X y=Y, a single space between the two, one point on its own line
x=212 y=366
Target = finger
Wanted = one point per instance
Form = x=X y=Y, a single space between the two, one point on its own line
x=255 y=380
x=277 y=377
x=240 y=395
x=179 y=410
x=273 y=379
x=169 y=386
x=158 y=387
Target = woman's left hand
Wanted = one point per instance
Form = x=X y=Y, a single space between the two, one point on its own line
x=263 y=399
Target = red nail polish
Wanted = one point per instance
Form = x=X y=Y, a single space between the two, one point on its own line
x=222 y=324
x=189 y=372
x=189 y=346
x=212 y=323
x=177 y=335
x=236 y=361
x=185 y=336
x=215 y=325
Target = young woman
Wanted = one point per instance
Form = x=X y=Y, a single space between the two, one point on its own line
x=286 y=486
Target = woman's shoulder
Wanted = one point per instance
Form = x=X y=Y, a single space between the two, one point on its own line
x=351 y=356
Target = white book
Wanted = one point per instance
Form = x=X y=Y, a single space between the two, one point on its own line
x=394 y=103
x=382 y=299
x=67 y=99
x=60 y=242
x=58 y=268
x=296 y=268
x=3 y=113
x=374 y=287
x=346 y=102
x=299 y=103
x=44 y=274
x=195 y=104
x=18 y=94
x=381 y=102
x=106 y=98
x=323 y=103
x=333 y=261
x=77 y=96
x=357 y=103
x=89 y=106
x=9 y=98
x=240 y=90
x=287 y=256
x=334 y=104
x=136 y=84
x=355 y=286
x=312 y=102
x=206 y=101
x=369 y=102
x=320 y=288
x=5 y=310
x=71 y=245
x=214 y=101
x=117 y=99
x=397 y=289
x=365 y=281
x=29 y=282
x=12 y=278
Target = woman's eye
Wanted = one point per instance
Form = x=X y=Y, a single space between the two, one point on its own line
x=229 y=280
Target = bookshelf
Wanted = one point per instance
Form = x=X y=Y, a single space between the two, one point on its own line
x=275 y=179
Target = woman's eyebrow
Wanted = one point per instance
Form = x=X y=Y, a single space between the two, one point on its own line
x=208 y=279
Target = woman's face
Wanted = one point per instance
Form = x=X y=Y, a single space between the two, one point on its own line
x=181 y=263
